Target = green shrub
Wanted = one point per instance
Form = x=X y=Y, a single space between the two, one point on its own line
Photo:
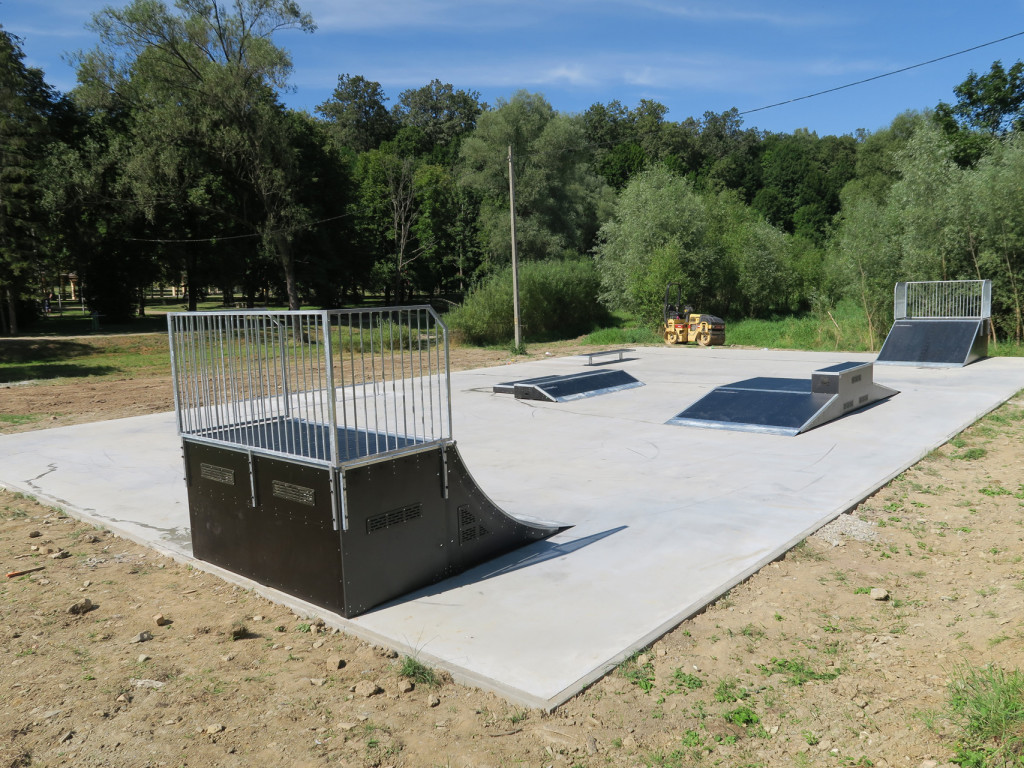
x=557 y=300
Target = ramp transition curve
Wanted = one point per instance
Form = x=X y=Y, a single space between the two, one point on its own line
x=407 y=521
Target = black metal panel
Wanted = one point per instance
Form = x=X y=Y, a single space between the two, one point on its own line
x=765 y=384
x=403 y=534
x=484 y=530
x=403 y=531
x=398 y=529
x=297 y=548
x=219 y=503
x=508 y=387
x=287 y=540
x=935 y=342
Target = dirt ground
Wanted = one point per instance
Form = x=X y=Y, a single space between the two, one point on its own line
x=840 y=654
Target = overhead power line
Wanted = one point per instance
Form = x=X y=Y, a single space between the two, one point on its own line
x=879 y=77
x=225 y=238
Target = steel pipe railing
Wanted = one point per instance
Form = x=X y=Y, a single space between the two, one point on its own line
x=328 y=387
x=943 y=299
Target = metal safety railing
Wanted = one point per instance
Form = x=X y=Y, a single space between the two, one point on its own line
x=943 y=299
x=328 y=387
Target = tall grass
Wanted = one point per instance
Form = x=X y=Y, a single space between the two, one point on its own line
x=843 y=327
x=626 y=330
x=986 y=705
x=558 y=300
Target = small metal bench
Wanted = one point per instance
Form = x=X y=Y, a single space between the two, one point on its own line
x=603 y=352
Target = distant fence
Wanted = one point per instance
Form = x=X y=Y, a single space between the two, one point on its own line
x=943 y=299
x=327 y=387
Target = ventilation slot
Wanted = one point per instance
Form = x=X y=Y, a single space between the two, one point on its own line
x=394 y=517
x=300 y=494
x=217 y=474
x=469 y=528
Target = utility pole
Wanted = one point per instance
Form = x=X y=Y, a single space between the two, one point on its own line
x=515 y=259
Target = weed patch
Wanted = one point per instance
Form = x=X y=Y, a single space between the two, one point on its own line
x=797 y=671
x=986 y=705
x=418 y=672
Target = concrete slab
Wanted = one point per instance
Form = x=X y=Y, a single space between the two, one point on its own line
x=666 y=518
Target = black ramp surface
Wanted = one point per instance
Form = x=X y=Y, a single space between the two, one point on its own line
x=509 y=387
x=307 y=438
x=931 y=342
x=573 y=386
x=786 y=406
x=778 y=410
x=765 y=384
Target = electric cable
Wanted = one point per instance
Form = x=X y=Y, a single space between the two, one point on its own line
x=879 y=77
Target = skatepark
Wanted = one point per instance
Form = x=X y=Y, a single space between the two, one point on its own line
x=525 y=527
x=664 y=518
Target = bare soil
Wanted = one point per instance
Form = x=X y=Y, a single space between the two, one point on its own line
x=800 y=665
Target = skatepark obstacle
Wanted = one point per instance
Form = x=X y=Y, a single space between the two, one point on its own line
x=567 y=387
x=787 y=406
x=319 y=456
x=939 y=323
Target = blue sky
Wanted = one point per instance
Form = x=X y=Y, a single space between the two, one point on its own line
x=691 y=55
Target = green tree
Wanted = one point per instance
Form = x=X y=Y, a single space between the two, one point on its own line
x=558 y=195
x=988 y=106
x=875 y=169
x=444 y=115
x=726 y=155
x=656 y=236
x=330 y=264
x=207 y=131
x=25 y=104
x=802 y=179
x=357 y=114
x=993 y=102
x=926 y=228
x=444 y=253
x=994 y=237
x=864 y=257
x=388 y=197
x=725 y=256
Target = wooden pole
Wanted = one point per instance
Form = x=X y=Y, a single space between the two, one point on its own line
x=515 y=260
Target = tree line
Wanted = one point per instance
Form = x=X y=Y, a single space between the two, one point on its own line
x=174 y=159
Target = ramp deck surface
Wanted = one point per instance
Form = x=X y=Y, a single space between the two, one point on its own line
x=787 y=406
x=779 y=406
x=929 y=341
x=653 y=541
x=573 y=386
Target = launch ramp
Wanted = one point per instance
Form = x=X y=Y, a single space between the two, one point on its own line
x=573 y=386
x=939 y=324
x=786 y=406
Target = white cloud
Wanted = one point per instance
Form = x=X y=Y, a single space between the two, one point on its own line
x=354 y=15
x=754 y=12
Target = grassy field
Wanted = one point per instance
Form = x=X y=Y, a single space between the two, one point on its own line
x=74 y=346
x=115 y=356
x=843 y=328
